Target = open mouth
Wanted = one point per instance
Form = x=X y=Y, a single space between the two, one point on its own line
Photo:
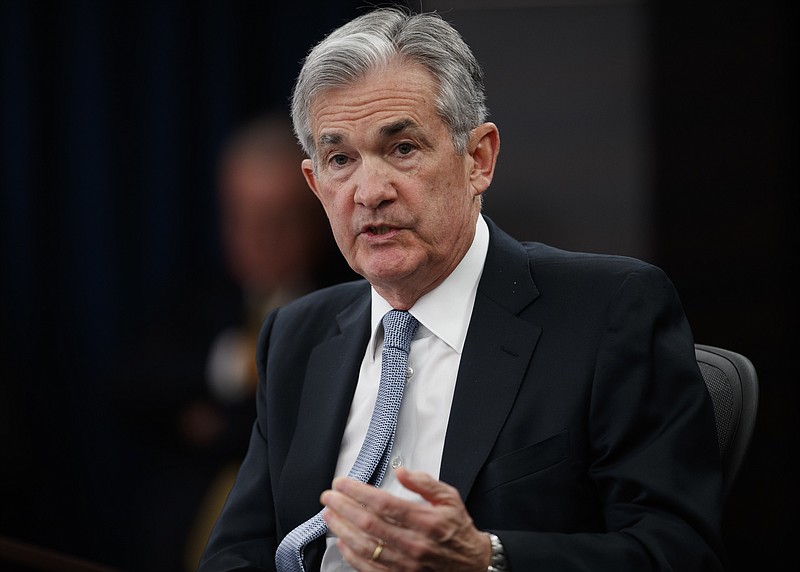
x=379 y=229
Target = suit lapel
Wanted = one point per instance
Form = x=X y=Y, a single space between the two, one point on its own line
x=328 y=390
x=497 y=352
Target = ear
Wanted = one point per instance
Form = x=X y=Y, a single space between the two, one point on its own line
x=308 y=172
x=484 y=145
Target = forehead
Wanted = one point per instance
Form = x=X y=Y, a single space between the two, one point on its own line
x=398 y=95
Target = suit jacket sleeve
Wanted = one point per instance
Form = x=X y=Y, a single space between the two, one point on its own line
x=651 y=455
x=244 y=537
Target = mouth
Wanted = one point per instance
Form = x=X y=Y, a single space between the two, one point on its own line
x=378 y=230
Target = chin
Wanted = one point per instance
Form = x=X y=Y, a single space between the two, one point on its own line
x=387 y=276
x=390 y=265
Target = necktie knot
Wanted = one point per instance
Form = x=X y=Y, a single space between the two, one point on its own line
x=399 y=328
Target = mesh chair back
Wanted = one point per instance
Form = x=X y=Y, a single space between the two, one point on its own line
x=732 y=382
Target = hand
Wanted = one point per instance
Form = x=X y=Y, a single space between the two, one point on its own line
x=437 y=535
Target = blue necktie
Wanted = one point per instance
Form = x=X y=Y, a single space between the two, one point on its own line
x=399 y=328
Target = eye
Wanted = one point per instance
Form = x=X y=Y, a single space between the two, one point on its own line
x=405 y=148
x=338 y=160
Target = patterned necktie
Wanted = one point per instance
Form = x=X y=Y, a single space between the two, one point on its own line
x=399 y=328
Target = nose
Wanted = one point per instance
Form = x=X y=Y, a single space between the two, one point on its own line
x=374 y=184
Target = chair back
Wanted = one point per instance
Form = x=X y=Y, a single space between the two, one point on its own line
x=732 y=381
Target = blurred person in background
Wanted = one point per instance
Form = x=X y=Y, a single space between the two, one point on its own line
x=188 y=394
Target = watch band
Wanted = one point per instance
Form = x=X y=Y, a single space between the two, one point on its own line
x=498 y=563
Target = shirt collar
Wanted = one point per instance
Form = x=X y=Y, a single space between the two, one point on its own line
x=446 y=310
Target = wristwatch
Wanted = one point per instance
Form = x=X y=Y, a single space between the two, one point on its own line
x=498 y=562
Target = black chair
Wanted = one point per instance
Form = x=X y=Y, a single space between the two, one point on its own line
x=732 y=382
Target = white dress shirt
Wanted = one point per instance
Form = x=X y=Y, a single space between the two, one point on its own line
x=443 y=315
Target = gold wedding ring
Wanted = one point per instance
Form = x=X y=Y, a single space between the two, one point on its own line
x=378 y=549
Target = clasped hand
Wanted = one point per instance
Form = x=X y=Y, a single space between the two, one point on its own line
x=379 y=531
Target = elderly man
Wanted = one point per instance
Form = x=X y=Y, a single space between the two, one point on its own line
x=551 y=415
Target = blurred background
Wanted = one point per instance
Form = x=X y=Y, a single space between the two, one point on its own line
x=665 y=130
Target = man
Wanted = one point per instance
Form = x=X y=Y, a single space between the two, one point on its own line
x=554 y=417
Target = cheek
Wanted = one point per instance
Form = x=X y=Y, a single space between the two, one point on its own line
x=339 y=211
x=330 y=203
x=447 y=200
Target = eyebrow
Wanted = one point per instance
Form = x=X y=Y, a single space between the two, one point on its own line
x=328 y=139
x=405 y=125
x=398 y=127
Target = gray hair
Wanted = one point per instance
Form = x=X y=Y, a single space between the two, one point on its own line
x=383 y=36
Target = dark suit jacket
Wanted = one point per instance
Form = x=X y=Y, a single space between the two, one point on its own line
x=581 y=431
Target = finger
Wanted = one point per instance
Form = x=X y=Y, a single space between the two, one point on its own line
x=376 y=561
x=340 y=514
x=448 y=522
x=352 y=542
x=430 y=489
x=389 y=507
x=361 y=550
x=359 y=515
